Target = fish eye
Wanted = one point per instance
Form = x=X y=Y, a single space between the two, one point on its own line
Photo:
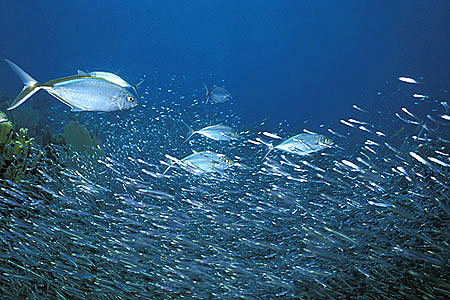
x=130 y=98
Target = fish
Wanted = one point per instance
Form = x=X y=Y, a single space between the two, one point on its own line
x=407 y=80
x=80 y=92
x=215 y=132
x=420 y=96
x=217 y=94
x=111 y=77
x=202 y=162
x=302 y=144
x=360 y=109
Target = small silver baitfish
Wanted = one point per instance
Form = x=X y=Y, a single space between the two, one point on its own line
x=302 y=144
x=203 y=162
x=217 y=94
x=81 y=92
x=215 y=132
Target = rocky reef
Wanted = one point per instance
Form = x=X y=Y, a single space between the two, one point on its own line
x=24 y=145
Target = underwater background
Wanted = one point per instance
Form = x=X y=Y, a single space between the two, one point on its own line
x=87 y=213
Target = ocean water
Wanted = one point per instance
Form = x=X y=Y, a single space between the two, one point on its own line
x=87 y=211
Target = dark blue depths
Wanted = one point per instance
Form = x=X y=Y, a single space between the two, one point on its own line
x=367 y=218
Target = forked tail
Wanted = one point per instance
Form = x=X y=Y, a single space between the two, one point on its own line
x=31 y=86
x=168 y=167
x=172 y=161
x=271 y=147
x=191 y=131
x=208 y=91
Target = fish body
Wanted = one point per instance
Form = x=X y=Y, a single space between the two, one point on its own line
x=302 y=144
x=217 y=94
x=407 y=80
x=91 y=94
x=216 y=132
x=203 y=162
x=80 y=92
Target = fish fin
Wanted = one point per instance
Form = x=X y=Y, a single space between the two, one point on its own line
x=207 y=92
x=30 y=88
x=171 y=163
x=79 y=72
x=26 y=79
x=190 y=135
x=191 y=131
x=271 y=147
x=49 y=90
x=136 y=86
x=139 y=83
x=167 y=169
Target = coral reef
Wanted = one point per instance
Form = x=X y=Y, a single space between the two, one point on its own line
x=26 y=117
x=15 y=147
x=81 y=138
x=47 y=138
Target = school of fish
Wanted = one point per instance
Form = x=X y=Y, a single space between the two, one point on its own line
x=191 y=201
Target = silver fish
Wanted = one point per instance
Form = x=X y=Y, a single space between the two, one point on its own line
x=217 y=94
x=80 y=92
x=302 y=144
x=215 y=132
x=407 y=80
x=203 y=162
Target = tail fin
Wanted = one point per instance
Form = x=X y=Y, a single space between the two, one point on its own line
x=168 y=167
x=191 y=131
x=271 y=147
x=173 y=161
x=207 y=92
x=31 y=85
x=268 y=145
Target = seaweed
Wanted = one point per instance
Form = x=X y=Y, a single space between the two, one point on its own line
x=15 y=148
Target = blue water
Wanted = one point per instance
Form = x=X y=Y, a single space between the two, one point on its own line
x=276 y=229
x=286 y=60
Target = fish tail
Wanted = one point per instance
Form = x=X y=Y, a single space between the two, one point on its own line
x=271 y=147
x=169 y=166
x=207 y=92
x=167 y=169
x=31 y=86
x=191 y=131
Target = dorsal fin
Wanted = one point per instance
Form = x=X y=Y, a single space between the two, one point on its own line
x=79 y=72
